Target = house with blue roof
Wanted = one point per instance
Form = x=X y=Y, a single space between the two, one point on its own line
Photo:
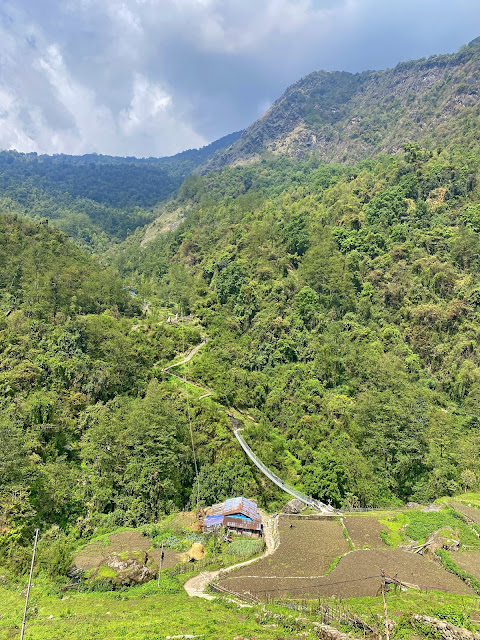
x=235 y=515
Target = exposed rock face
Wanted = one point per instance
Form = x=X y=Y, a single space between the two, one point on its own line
x=447 y=630
x=345 y=117
x=293 y=506
x=127 y=569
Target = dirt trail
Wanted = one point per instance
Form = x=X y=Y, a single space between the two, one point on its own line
x=195 y=587
x=188 y=357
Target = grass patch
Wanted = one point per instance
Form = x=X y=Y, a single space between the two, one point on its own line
x=422 y=524
x=406 y=603
x=394 y=523
x=348 y=539
x=139 y=613
x=104 y=571
x=244 y=548
x=333 y=564
x=471 y=498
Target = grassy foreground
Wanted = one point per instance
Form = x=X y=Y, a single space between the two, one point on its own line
x=137 y=614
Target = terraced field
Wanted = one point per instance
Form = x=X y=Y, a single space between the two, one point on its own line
x=365 y=532
x=470 y=512
x=469 y=561
x=95 y=553
x=358 y=574
x=308 y=548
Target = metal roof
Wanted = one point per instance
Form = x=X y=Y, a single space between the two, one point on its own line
x=240 y=523
x=242 y=505
x=213 y=520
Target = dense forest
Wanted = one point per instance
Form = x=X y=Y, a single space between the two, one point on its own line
x=97 y=200
x=90 y=435
x=341 y=307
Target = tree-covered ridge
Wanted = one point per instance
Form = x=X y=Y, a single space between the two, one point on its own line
x=348 y=117
x=93 y=198
x=342 y=306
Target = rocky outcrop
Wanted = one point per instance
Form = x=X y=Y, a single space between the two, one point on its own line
x=293 y=506
x=447 y=630
x=127 y=569
x=345 y=117
x=438 y=540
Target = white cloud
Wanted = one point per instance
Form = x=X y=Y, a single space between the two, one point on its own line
x=152 y=77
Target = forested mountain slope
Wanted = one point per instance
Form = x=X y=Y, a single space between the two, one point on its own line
x=93 y=198
x=90 y=434
x=342 y=305
x=346 y=117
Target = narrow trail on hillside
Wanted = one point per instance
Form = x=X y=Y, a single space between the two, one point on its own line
x=308 y=500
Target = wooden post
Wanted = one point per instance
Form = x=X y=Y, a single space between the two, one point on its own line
x=385 y=610
x=29 y=584
x=160 y=566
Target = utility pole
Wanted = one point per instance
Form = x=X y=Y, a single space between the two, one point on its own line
x=387 y=622
x=162 y=555
x=29 y=584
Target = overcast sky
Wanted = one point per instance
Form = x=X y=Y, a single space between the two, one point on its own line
x=154 y=77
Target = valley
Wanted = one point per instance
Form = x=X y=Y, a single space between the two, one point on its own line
x=291 y=311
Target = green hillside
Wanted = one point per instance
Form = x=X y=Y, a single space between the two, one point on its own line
x=90 y=435
x=345 y=117
x=337 y=306
x=95 y=199
x=342 y=308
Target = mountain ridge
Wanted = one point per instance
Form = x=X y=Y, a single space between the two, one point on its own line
x=346 y=117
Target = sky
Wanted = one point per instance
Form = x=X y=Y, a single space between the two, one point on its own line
x=154 y=77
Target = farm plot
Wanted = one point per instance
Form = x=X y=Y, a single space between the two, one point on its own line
x=469 y=561
x=308 y=547
x=470 y=512
x=365 y=532
x=356 y=575
x=94 y=554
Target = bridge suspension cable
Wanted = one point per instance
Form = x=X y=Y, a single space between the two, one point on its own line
x=197 y=480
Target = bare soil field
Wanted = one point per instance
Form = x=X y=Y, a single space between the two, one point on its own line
x=356 y=575
x=306 y=548
x=469 y=561
x=470 y=512
x=95 y=553
x=365 y=532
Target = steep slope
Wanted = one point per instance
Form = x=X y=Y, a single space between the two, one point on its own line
x=89 y=432
x=341 y=305
x=346 y=117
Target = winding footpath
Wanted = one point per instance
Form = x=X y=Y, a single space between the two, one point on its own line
x=196 y=586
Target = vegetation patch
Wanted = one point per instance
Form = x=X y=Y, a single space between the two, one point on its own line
x=242 y=548
x=394 y=534
x=451 y=566
x=422 y=524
